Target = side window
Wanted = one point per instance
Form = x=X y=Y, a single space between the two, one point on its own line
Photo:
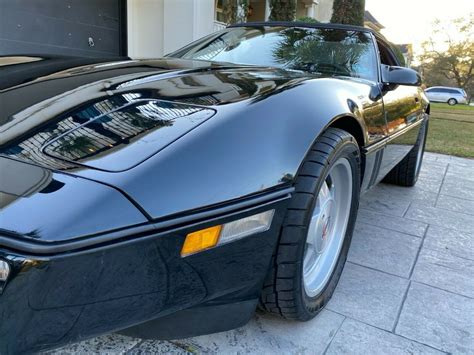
x=452 y=91
x=386 y=56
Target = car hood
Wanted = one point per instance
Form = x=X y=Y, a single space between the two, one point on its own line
x=101 y=120
x=64 y=113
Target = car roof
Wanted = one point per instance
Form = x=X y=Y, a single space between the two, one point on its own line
x=444 y=87
x=304 y=24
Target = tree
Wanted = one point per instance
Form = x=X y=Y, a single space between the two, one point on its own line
x=282 y=10
x=448 y=56
x=399 y=55
x=235 y=11
x=350 y=12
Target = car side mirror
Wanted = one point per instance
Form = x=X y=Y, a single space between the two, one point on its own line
x=400 y=76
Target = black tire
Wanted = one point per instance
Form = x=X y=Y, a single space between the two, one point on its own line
x=284 y=293
x=406 y=172
x=452 y=102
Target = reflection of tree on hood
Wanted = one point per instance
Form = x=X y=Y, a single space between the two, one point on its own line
x=321 y=50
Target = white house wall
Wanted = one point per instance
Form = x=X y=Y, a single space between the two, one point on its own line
x=157 y=27
x=203 y=18
x=324 y=10
x=145 y=28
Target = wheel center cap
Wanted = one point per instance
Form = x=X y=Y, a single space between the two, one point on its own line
x=326 y=223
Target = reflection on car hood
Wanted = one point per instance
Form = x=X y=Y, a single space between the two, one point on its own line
x=111 y=135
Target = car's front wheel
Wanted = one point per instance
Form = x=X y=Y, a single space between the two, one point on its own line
x=317 y=229
x=452 y=102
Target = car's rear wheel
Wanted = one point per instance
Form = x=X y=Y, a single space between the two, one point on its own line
x=317 y=229
x=406 y=172
x=452 y=102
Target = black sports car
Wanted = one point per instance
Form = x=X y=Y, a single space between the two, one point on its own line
x=169 y=198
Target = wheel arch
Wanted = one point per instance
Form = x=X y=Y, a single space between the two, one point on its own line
x=352 y=126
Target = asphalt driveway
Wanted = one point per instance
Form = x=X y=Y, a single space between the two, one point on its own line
x=408 y=286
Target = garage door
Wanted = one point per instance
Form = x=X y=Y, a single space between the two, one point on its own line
x=92 y=28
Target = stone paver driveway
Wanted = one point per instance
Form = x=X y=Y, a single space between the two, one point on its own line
x=408 y=285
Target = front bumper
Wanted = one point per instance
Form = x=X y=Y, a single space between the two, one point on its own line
x=52 y=300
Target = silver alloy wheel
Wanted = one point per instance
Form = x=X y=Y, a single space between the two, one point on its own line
x=327 y=228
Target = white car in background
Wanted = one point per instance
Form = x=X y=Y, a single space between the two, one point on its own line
x=447 y=94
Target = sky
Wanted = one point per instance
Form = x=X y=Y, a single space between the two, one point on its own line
x=410 y=21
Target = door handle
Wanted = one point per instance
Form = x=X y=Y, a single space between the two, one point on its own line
x=417 y=99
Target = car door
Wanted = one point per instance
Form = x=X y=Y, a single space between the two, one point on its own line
x=433 y=94
x=444 y=95
x=403 y=112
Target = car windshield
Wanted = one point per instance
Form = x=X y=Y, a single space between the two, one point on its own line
x=316 y=50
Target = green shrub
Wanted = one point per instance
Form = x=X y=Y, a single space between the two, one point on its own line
x=307 y=19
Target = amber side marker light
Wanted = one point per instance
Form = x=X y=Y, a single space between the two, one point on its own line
x=201 y=240
x=211 y=237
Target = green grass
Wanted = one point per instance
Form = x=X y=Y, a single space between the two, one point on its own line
x=451 y=130
x=439 y=105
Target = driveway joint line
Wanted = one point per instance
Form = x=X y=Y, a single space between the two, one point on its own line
x=387 y=331
x=453 y=196
x=442 y=289
x=412 y=269
x=442 y=183
x=403 y=234
x=400 y=309
x=450 y=253
x=456 y=197
x=442 y=209
x=406 y=210
x=335 y=333
x=374 y=269
x=393 y=229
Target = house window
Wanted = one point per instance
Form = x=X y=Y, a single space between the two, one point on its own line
x=220 y=17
